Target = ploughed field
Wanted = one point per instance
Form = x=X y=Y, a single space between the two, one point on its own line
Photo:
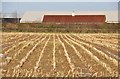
x=60 y=55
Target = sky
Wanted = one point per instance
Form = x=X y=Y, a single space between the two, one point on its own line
x=59 y=0
x=22 y=7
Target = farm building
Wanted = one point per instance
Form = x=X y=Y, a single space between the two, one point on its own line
x=42 y=16
x=9 y=18
x=74 y=19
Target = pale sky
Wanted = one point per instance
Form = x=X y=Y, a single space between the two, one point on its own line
x=60 y=0
x=22 y=7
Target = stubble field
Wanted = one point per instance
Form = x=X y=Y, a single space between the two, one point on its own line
x=60 y=55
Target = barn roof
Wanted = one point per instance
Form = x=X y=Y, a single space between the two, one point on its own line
x=74 y=19
x=37 y=16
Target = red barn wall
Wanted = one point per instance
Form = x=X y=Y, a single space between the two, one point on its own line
x=77 y=19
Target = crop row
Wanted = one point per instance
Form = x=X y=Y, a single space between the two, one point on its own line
x=60 y=55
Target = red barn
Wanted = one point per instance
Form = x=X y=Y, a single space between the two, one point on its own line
x=77 y=19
